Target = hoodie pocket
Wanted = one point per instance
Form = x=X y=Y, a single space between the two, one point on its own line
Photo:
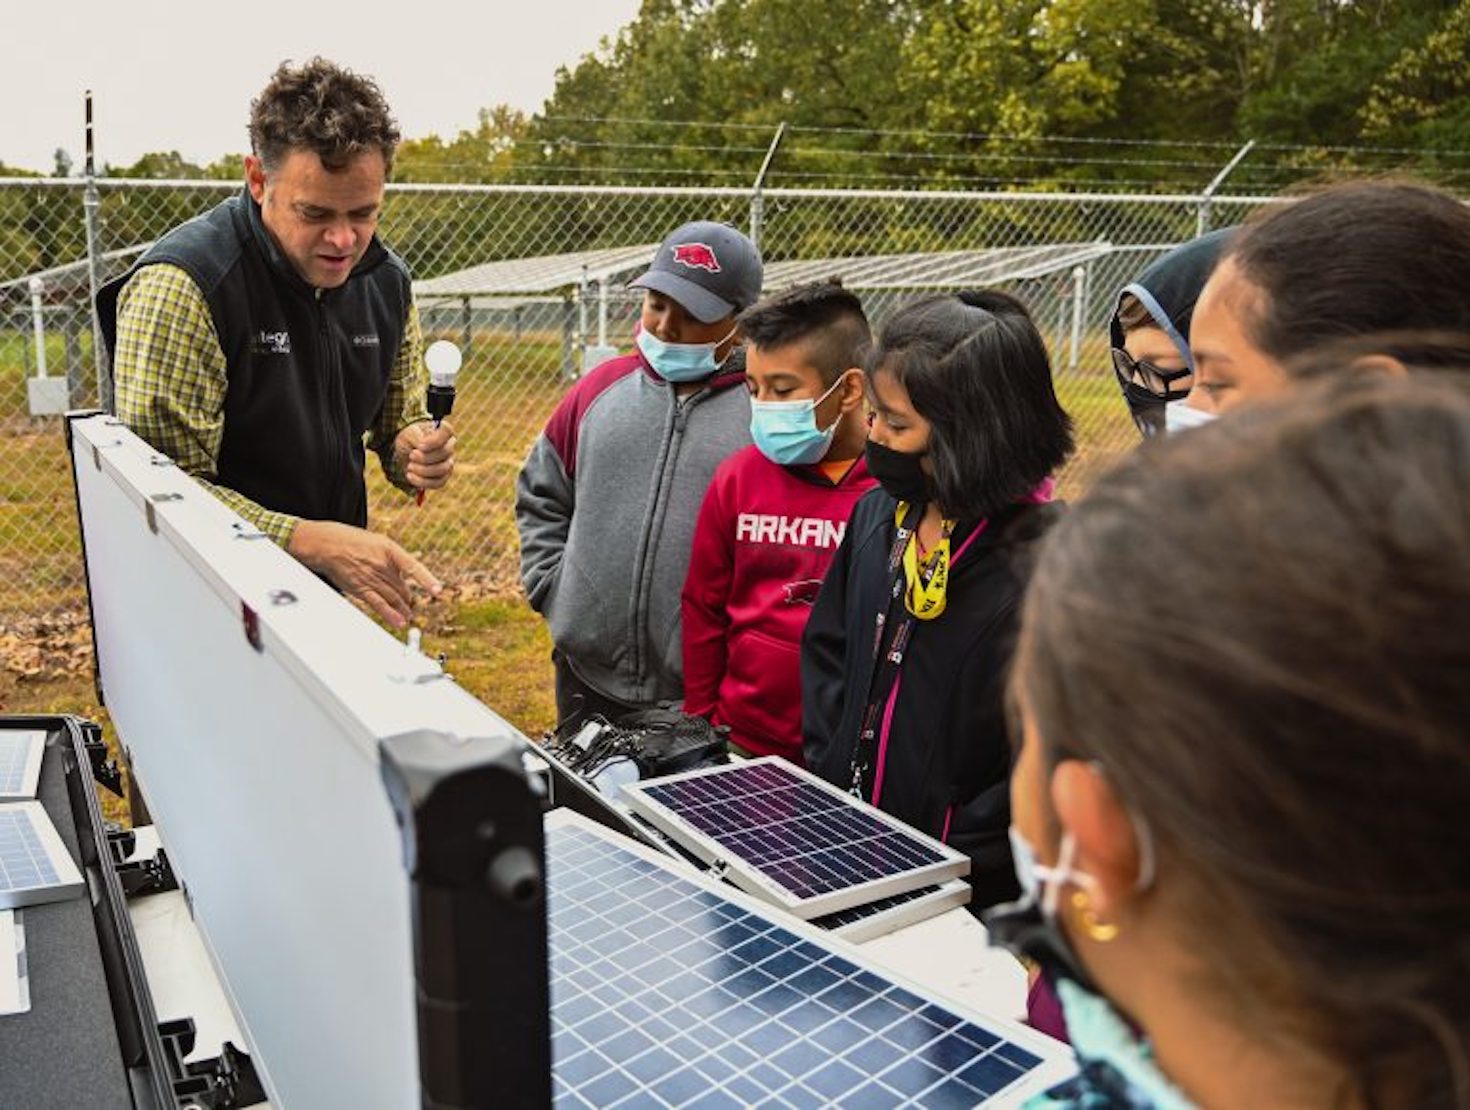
x=761 y=691
x=580 y=621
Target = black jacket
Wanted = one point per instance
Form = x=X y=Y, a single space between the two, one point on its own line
x=308 y=369
x=947 y=756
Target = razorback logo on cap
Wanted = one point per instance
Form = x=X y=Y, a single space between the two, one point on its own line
x=697 y=255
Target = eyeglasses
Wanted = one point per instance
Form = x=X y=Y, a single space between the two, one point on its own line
x=1155 y=379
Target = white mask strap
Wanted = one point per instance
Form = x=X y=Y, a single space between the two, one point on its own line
x=1060 y=874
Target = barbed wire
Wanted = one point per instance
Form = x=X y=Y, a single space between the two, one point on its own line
x=994 y=136
x=895 y=155
x=622 y=175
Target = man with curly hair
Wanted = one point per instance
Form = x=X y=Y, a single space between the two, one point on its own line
x=264 y=345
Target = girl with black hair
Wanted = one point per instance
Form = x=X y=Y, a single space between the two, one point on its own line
x=905 y=652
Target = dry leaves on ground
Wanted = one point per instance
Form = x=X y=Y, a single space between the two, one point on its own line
x=46 y=647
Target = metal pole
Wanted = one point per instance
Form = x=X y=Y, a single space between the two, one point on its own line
x=757 y=197
x=1202 y=220
x=91 y=204
x=38 y=287
x=1079 y=278
x=602 y=312
x=1060 y=285
x=582 y=323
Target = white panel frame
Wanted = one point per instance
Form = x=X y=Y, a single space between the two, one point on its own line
x=941 y=899
x=261 y=767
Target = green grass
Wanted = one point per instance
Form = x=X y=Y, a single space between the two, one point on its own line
x=1103 y=429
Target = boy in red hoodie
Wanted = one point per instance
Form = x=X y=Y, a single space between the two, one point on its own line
x=774 y=515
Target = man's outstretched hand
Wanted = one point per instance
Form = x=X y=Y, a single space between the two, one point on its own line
x=368 y=568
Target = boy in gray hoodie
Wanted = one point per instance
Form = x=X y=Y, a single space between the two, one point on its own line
x=607 y=498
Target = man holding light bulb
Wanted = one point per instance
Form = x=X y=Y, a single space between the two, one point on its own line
x=264 y=345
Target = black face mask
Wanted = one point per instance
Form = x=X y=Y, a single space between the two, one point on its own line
x=1146 y=408
x=899 y=473
x=1146 y=398
x=1022 y=929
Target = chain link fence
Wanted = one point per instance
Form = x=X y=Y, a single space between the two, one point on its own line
x=528 y=280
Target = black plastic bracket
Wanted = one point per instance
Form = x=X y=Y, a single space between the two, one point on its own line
x=476 y=860
x=121 y=841
x=104 y=770
x=147 y=876
x=224 y=1082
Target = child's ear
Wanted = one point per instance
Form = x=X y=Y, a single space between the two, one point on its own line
x=854 y=388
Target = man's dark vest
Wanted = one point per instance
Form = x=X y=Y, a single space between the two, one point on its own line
x=307 y=369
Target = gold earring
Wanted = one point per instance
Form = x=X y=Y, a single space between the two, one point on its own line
x=1095 y=927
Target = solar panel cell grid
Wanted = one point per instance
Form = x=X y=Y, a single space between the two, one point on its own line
x=806 y=839
x=19 y=762
x=24 y=864
x=665 y=993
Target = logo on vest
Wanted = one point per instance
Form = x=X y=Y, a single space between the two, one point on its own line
x=271 y=343
x=798 y=531
x=369 y=340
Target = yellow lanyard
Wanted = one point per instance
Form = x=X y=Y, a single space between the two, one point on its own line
x=924 y=592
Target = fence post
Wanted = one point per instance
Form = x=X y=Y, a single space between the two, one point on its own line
x=91 y=203
x=38 y=323
x=1079 y=278
x=757 y=196
x=1202 y=217
x=582 y=290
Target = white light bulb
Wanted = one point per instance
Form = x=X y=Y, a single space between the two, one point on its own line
x=443 y=360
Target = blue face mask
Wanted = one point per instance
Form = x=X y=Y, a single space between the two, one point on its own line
x=1180 y=416
x=1117 y=1066
x=680 y=362
x=786 y=431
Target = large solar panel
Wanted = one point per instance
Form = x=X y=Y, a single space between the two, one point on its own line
x=670 y=990
x=34 y=864
x=20 y=762
x=785 y=835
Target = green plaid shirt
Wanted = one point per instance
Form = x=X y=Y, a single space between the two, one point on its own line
x=170 y=379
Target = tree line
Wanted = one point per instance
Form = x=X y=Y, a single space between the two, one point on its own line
x=1122 y=95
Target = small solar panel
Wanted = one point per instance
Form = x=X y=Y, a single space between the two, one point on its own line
x=783 y=834
x=20 y=762
x=874 y=919
x=34 y=864
x=670 y=990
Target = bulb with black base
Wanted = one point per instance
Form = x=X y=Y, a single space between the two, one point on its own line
x=443 y=359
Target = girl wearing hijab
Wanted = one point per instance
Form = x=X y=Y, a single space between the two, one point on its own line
x=1150 y=332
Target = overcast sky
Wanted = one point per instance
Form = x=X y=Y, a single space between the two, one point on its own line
x=179 y=74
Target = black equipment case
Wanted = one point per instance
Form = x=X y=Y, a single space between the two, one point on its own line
x=91 y=1037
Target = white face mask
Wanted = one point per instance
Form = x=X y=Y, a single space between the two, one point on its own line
x=1032 y=875
x=1180 y=416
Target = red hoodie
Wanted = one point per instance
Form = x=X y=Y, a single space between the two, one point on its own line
x=765 y=537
